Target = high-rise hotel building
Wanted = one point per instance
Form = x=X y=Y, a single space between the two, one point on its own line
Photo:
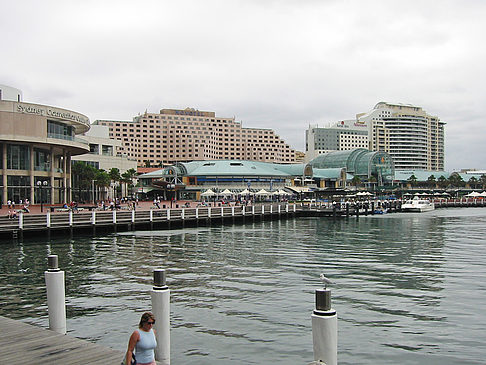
x=175 y=135
x=413 y=138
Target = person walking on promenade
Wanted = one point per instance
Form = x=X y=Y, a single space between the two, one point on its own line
x=143 y=342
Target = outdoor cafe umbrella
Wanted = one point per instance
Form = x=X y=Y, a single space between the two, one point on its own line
x=262 y=192
x=208 y=192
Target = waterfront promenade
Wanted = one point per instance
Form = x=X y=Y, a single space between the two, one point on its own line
x=147 y=217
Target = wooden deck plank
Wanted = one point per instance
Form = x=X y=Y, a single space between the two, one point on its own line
x=23 y=343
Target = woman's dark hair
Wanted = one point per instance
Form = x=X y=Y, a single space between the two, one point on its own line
x=145 y=318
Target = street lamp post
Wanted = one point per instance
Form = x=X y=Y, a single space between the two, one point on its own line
x=41 y=185
x=172 y=189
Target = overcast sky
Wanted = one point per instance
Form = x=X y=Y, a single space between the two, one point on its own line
x=271 y=64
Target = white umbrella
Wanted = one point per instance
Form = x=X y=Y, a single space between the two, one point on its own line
x=208 y=192
x=262 y=192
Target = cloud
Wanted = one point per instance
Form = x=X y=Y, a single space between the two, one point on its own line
x=272 y=64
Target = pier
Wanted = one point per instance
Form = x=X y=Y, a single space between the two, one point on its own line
x=23 y=343
x=126 y=220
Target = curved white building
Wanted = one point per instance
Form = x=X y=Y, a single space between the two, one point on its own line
x=413 y=138
x=36 y=145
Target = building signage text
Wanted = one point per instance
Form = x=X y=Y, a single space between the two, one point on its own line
x=51 y=112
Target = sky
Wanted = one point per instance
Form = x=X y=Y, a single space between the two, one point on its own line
x=282 y=65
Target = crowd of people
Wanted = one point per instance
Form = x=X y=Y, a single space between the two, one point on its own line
x=12 y=211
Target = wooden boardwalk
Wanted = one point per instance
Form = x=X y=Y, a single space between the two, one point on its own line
x=22 y=343
x=125 y=220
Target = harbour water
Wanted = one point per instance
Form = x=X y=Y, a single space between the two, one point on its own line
x=409 y=288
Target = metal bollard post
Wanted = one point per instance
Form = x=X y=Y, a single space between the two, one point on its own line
x=160 y=295
x=56 y=301
x=324 y=329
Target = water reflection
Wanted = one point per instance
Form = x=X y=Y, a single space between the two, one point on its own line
x=246 y=291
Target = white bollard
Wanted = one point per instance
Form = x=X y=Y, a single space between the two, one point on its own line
x=56 y=302
x=161 y=310
x=324 y=329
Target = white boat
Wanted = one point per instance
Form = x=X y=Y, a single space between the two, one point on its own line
x=418 y=205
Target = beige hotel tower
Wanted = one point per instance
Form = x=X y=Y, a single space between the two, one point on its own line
x=186 y=135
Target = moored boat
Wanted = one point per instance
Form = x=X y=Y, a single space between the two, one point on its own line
x=418 y=205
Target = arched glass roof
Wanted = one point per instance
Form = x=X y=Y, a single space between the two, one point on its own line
x=359 y=162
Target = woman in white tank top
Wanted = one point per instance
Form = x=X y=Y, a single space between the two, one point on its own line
x=143 y=342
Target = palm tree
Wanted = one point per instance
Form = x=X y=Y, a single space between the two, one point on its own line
x=115 y=177
x=412 y=180
x=82 y=176
x=355 y=181
x=456 y=180
x=482 y=181
x=473 y=182
x=442 y=181
x=102 y=180
x=372 y=180
x=127 y=178
x=431 y=181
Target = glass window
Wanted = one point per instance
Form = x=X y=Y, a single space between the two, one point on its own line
x=18 y=157
x=42 y=160
x=94 y=148
x=107 y=150
x=18 y=188
x=59 y=130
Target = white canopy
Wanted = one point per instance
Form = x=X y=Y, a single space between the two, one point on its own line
x=262 y=192
x=208 y=192
x=483 y=193
x=473 y=194
x=226 y=192
x=363 y=193
x=246 y=192
x=283 y=192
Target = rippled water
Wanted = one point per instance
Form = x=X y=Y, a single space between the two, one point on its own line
x=409 y=288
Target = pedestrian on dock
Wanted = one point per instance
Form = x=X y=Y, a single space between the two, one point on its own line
x=143 y=342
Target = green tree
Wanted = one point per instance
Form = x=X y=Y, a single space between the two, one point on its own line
x=127 y=179
x=103 y=180
x=456 y=181
x=482 y=181
x=114 y=174
x=431 y=181
x=355 y=181
x=412 y=180
x=442 y=181
x=147 y=163
x=82 y=176
x=115 y=177
x=473 y=182
x=372 y=180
